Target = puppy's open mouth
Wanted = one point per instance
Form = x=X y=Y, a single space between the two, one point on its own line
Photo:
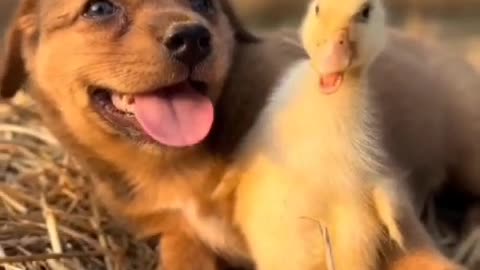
x=180 y=115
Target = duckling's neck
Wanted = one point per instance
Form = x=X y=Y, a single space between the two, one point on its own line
x=310 y=125
x=300 y=98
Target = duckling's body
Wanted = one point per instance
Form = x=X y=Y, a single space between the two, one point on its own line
x=312 y=162
x=309 y=164
x=313 y=185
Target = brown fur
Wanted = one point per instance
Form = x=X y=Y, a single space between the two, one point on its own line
x=155 y=191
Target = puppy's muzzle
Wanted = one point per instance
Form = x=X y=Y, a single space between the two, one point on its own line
x=189 y=43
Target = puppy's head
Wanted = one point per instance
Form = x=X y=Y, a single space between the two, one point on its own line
x=341 y=36
x=132 y=71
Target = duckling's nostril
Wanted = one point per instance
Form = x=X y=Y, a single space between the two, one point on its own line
x=342 y=37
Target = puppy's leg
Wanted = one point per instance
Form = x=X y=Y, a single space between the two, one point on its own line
x=178 y=251
x=419 y=251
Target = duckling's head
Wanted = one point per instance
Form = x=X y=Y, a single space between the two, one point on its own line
x=342 y=36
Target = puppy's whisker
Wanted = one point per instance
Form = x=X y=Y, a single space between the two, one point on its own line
x=116 y=62
x=110 y=67
x=101 y=52
x=124 y=62
x=117 y=74
x=144 y=29
x=105 y=53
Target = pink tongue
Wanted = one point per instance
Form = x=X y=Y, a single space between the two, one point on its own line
x=181 y=118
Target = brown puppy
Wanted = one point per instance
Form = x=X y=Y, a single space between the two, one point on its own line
x=129 y=88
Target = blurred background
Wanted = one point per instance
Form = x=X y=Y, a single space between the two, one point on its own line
x=453 y=23
x=6 y=10
x=31 y=164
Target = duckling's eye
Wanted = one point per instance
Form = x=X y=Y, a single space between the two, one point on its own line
x=202 y=6
x=100 y=9
x=317 y=10
x=364 y=13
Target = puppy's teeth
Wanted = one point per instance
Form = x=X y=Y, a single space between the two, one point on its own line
x=123 y=102
x=117 y=101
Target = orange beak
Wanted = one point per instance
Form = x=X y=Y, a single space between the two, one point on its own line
x=337 y=60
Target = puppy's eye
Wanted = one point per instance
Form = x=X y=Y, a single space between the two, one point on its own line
x=100 y=9
x=364 y=14
x=202 y=6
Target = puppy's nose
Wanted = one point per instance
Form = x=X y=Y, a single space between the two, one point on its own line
x=189 y=44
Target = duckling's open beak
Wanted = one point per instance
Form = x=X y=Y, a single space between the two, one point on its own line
x=331 y=82
x=338 y=57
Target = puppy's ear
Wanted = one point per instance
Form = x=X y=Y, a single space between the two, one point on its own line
x=241 y=33
x=12 y=65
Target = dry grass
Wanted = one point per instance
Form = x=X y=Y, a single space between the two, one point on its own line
x=48 y=218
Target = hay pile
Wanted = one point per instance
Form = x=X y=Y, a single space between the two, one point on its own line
x=49 y=220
